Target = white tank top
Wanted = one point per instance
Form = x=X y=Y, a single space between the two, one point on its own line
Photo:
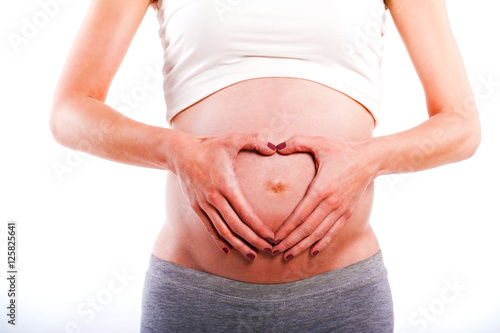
x=211 y=44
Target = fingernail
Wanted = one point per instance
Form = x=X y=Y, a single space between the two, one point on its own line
x=281 y=145
x=268 y=250
x=251 y=256
x=270 y=145
x=226 y=250
x=289 y=257
x=276 y=252
x=276 y=242
x=270 y=240
x=315 y=253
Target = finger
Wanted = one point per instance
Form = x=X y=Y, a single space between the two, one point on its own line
x=226 y=233
x=306 y=229
x=221 y=242
x=241 y=229
x=306 y=243
x=254 y=141
x=334 y=231
x=297 y=144
x=247 y=216
x=313 y=197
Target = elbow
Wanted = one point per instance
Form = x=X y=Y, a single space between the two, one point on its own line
x=63 y=117
x=55 y=124
x=59 y=124
x=472 y=139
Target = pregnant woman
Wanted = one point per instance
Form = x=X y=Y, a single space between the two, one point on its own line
x=271 y=159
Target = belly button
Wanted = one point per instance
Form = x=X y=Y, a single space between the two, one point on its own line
x=276 y=186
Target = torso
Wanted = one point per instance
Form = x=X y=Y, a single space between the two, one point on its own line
x=282 y=107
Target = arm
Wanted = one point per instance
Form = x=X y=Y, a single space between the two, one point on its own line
x=345 y=169
x=452 y=132
x=81 y=120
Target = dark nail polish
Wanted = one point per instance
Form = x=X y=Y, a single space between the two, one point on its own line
x=226 y=250
x=268 y=250
x=276 y=252
x=251 y=256
x=270 y=240
x=276 y=242
x=270 y=145
x=289 y=257
x=315 y=253
x=281 y=146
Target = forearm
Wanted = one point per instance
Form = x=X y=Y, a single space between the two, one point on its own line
x=87 y=124
x=442 y=139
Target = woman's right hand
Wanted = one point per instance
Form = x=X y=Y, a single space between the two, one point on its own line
x=205 y=169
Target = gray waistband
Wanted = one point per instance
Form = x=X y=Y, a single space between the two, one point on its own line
x=358 y=274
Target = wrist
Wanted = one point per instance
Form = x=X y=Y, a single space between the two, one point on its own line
x=376 y=154
x=176 y=146
x=169 y=148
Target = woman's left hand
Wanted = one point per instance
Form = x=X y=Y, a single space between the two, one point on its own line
x=343 y=172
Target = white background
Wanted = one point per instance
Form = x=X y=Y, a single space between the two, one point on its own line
x=78 y=230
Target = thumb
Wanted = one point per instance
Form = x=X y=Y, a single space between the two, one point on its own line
x=296 y=144
x=257 y=142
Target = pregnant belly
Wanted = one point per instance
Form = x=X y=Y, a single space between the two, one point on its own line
x=273 y=185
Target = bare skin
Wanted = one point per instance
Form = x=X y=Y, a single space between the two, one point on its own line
x=273 y=185
x=228 y=189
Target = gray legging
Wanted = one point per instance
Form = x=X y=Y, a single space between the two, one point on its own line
x=354 y=299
